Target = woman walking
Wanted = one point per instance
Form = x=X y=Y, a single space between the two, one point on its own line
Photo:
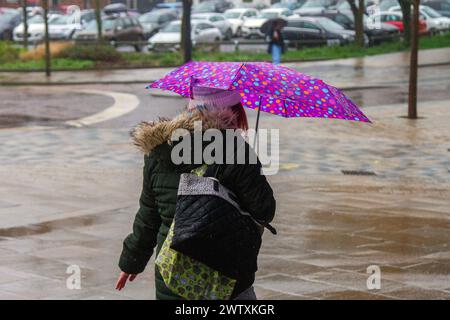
x=216 y=109
x=276 y=42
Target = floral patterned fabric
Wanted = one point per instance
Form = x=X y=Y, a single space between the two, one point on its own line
x=189 y=278
x=273 y=88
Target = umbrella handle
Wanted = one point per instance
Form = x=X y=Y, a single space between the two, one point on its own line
x=256 y=128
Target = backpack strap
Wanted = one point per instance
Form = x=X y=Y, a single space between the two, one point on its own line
x=218 y=168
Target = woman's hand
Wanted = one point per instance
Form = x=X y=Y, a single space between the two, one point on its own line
x=123 y=277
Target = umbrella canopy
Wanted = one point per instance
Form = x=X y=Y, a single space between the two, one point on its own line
x=270 y=88
x=268 y=25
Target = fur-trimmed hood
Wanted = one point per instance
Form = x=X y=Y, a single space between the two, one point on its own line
x=148 y=135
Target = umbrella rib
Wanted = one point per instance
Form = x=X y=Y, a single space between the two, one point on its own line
x=236 y=76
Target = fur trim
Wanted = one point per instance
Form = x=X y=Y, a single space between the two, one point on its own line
x=148 y=135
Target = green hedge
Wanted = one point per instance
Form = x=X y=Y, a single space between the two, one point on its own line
x=8 y=52
x=92 y=52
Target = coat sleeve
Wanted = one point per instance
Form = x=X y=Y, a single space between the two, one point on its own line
x=139 y=245
x=251 y=188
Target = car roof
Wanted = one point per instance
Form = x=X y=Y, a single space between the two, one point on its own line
x=161 y=11
x=305 y=18
x=195 y=21
x=240 y=9
x=206 y=14
x=398 y=13
x=274 y=10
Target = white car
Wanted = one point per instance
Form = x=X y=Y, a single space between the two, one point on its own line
x=251 y=27
x=218 y=21
x=63 y=27
x=236 y=18
x=435 y=21
x=169 y=37
x=36 y=30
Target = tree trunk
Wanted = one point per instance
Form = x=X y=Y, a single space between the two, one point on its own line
x=98 y=17
x=47 y=41
x=25 y=24
x=406 y=11
x=186 y=42
x=412 y=98
x=358 y=14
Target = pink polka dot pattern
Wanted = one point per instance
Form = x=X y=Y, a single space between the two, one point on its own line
x=275 y=89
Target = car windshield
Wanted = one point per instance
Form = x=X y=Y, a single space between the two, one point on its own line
x=7 y=14
x=107 y=24
x=431 y=12
x=329 y=24
x=232 y=15
x=344 y=5
x=204 y=7
x=196 y=17
x=268 y=15
x=149 y=18
x=386 y=4
x=60 y=20
x=316 y=3
x=36 y=19
x=172 y=28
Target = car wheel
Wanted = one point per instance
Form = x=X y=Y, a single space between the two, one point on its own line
x=228 y=34
x=238 y=32
x=138 y=47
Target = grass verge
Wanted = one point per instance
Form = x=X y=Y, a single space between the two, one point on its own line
x=81 y=61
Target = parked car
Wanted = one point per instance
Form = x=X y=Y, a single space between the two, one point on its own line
x=394 y=18
x=311 y=6
x=36 y=29
x=289 y=4
x=153 y=21
x=87 y=16
x=252 y=26
x=169 y=37
x=9 y=19
x=344 y=5
x=115 y=8
x=317 y=31
x=217 y=6
x=63 y=27
x=434 y=20
x=382 y=32
x=178 y=6
x=115 y=30
x=219 y=21
x=441 y=6
x=236 y=18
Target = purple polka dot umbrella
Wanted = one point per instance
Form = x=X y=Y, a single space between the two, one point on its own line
x=266 y=87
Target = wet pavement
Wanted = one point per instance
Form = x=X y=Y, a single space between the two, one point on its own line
x=373 y=71
x=68 y=197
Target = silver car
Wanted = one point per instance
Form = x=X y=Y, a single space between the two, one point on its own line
x=168 y=39
x=218 y=20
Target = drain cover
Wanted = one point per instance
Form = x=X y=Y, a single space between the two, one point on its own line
x=358 y=173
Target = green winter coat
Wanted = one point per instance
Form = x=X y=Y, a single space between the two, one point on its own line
x=159 y=194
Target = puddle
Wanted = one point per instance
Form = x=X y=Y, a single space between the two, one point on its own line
x=20 y=120
x=46 y=227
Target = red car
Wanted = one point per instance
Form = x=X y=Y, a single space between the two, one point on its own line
x=396 y=19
